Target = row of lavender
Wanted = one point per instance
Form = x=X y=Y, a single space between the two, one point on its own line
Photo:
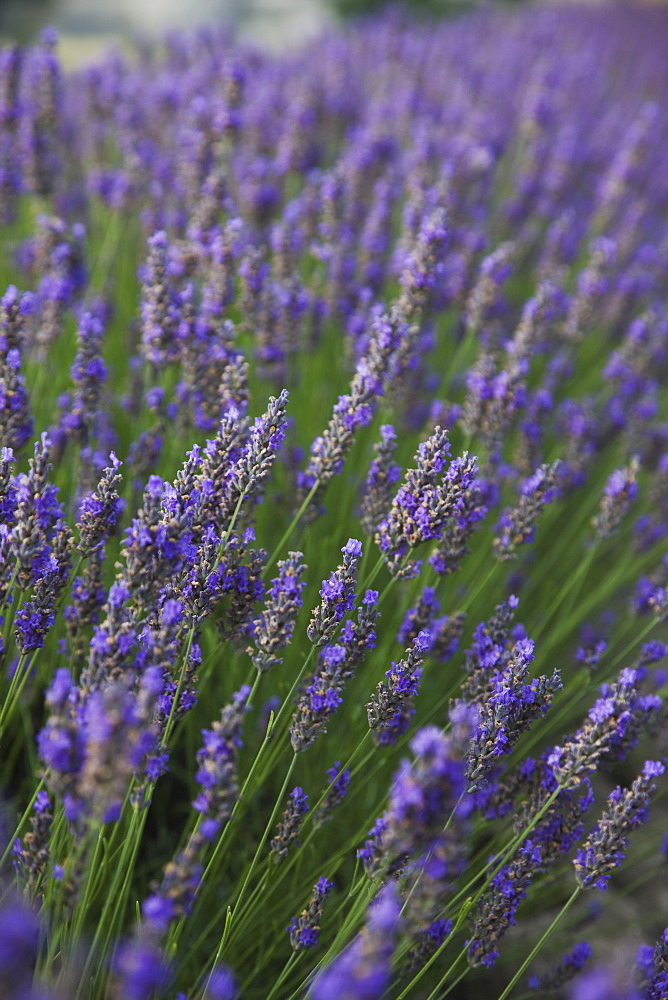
x=324 y=702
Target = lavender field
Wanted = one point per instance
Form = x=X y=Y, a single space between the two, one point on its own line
x=334 y=514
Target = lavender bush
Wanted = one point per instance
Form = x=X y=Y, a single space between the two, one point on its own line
x=333 y=514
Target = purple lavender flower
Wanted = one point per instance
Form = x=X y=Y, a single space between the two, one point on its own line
x=160 y=305
x=140 y=969
x=453 y=545
x=613 y=727
x=652 y=966
x=422 y=836
x=517 y=524
x=89 y=372
x=390 y=710
x=338 y=595
x=620 y=492
x=273 y=630
x=338 y=781
x=119 y=736
x=38 y=130
x=220 y=985
x=497 y=909
x=7 y=487
x=511 y=704
x=485 y=295
x=562 y=973
x=352 y=410
x=174 y=896
x=444 y=631
x=217 y=760
x=33 y=852
x=289 y=826
x=383 y=474
x=264 y=440
x=19 y=949
x=339 y=661
x=494 y=396
x=304 y=929
x=424 y=266
x=38 y=516
x=100 y=509
x=604 y=849
x=432 y=493
x=604 y=982
x=158 y=543
x=592 y=283
x=590 y=655
x=491 y=649
x=35 y=618
x=362 y=971
x=16 y=424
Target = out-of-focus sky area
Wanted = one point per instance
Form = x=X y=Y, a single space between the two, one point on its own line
x=85 y=26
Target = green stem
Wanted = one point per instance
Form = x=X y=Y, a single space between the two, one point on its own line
x=17 y=684
x=291 y=527
x=249 y=874
x=562 y=912
x=289 y=965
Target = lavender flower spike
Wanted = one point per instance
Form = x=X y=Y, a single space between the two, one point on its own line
x=570 y=964
x=620 y=492
x=604 y=848
x=338 y=662
x=432 y=493
x=516 y=525
x=217 y=759
x=497 y=909
x=338 y=595
x=389 y=711
x=288 y=828
x=334 y=795
x=273 y=630
x=362 y=972
x=100 y=509
x=305 y=928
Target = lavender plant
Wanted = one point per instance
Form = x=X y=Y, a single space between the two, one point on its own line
x=333 y=469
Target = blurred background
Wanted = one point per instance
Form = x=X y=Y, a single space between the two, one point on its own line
x=87 y=26
x=80 y=23
x=84 y=26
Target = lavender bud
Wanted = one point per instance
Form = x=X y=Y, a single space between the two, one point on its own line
x=32 y=854
x=510 y=706
x=620 y=492
x=432 y=493
x=354 y=409
x=496 y=910
x=334 y=795
x=363 y=969
x=570 y=964
x=517 y=525
x=273 y=630
x=100 y=509
x=139 y=969
x=613 y=727
x=390 y=710
x=305 y=928
x=383 y=474
x=604 y=849
x=217 y=760
x=338 y=595
x=289 y=826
